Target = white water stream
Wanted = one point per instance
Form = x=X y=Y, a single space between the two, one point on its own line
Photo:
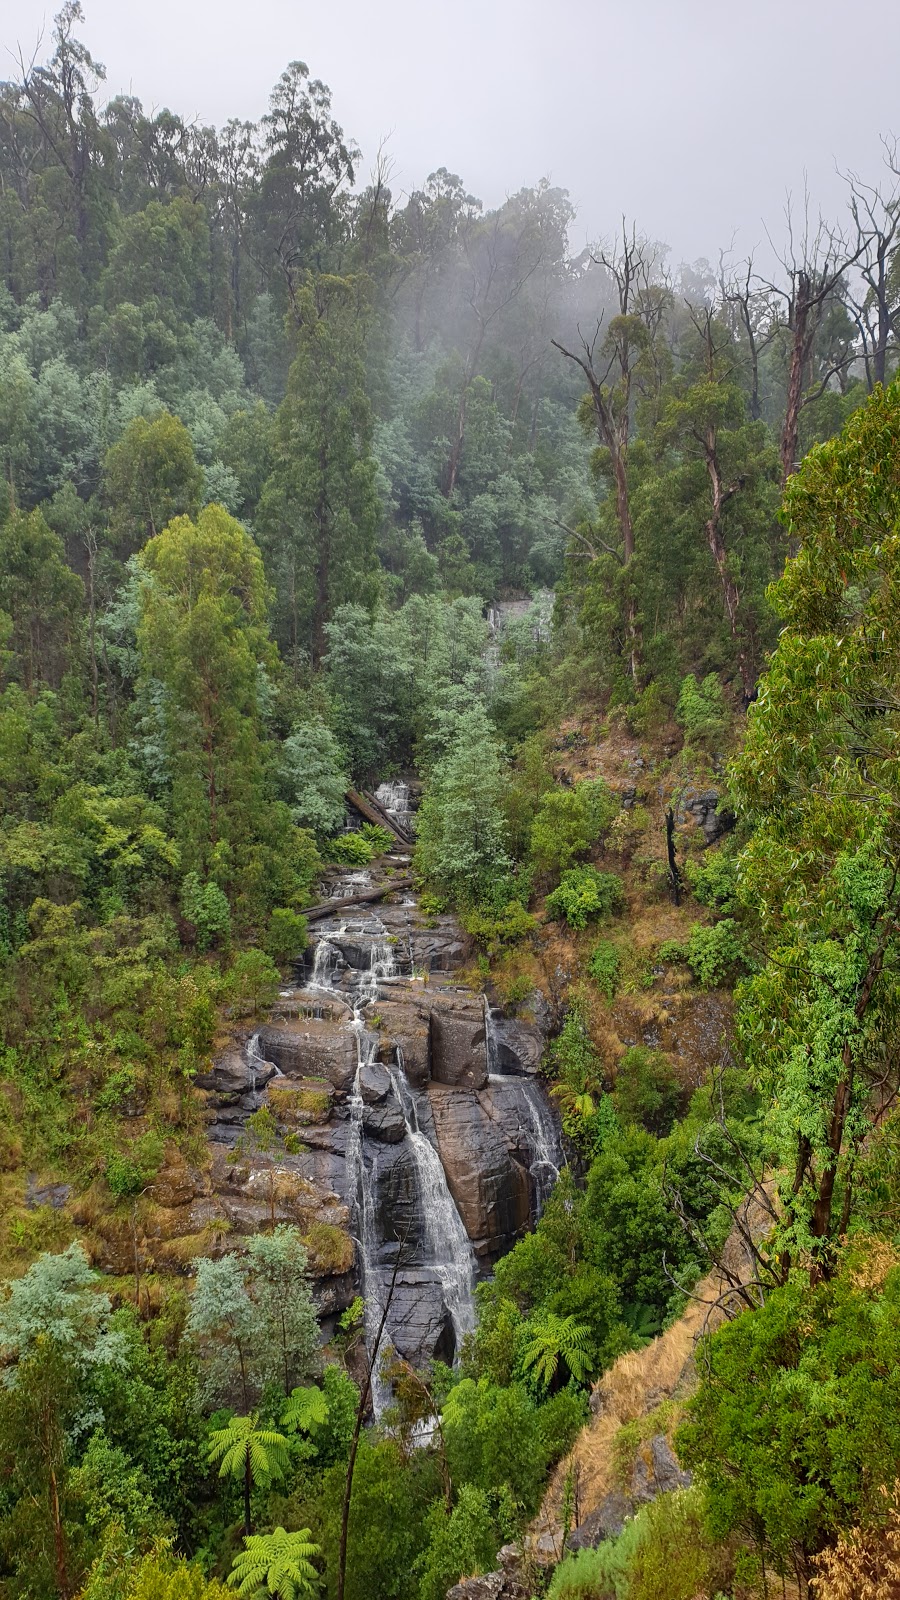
x=545 y=1144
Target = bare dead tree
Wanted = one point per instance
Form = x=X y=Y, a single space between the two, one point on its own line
x=754 y=315
x=815 y=264
x=875 y=305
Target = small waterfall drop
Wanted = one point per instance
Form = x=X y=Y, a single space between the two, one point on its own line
x=545 y=1143
x=360 y=1189
x=446 y=1240
x=547 y=1157
x=255 y=1059
x=394 y=799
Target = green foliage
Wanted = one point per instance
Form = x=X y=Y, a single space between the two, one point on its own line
x=568 y=822
x=253 y=980
x=584 y=894
x=129 y=1174
x=204 y=905
x=254 y=1317
x=647 y=1091
x=151 y=476
x=286 y=936
x=462 y=1544
x=495 y=930
x=315 y=778
x=281 y=1562
x=553 y=1340
x=461 y=847
x=604 y=966
x=353 y=849
x=701 y=709
x=714 y=954
x=714 y=879
x=794 y=1425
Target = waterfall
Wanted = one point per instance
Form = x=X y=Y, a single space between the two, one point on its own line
x=255 y=1059
x=325 y=962
x=446 y=1239
x=394 y=799
x=547 y=1157
x=366 y=1045
x=546 y=1147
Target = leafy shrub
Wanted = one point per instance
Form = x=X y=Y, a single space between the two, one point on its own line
x=127 y=1174
x=351 y=849
x=492 y=930
x=315 y=778
x=600 y=1574
x=647 y=1090
x=251 y=984
x=713 y=880
x=715 y=954
x=584 y=894
x=379 y=838
x=568 y=822
x=604 y=967
x=206 y=906
x=286 y=935
x=701 y=709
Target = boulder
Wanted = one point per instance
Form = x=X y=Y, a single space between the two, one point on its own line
x=488 y=1587
x=311 y=1048
x=657 y=1471
x=517 y=1046
x=458 y=1054
x=606 y=1522
x=232 y=1075
x=490 y=1188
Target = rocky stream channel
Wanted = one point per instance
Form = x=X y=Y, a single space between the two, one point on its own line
x=413 y=1117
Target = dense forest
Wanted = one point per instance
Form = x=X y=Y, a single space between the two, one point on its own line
x=310 y=487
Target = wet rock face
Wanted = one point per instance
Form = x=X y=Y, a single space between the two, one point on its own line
x=399 y=1130
x=458 y=1053
x=489 y=1185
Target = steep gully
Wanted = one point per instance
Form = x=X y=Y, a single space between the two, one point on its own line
x=421 y=1125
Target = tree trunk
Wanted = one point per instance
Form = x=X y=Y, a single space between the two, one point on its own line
x=674 y=874
x=357 y=1430
x=799 y=352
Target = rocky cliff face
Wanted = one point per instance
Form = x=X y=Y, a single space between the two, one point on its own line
x=410 y=1118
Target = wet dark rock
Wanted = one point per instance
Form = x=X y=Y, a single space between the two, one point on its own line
x=518 y=1046
x=233 y=1075
x=50 y=1194
x=458 y=1054
x=704 y=809
x=312 y=1049
x=488 y=1587
x=490 y=1188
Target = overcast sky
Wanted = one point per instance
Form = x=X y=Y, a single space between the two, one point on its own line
x=694 y=117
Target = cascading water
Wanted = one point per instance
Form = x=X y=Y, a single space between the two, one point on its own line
x=547 y=1156
x=256 y=1059
x=394 y=799
x=446 y=1240
x=361 y=1193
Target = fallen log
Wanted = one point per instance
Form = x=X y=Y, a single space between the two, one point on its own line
x=368 y=807
x=314 y=913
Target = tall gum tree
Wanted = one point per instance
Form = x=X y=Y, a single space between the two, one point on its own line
x=820 y=779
